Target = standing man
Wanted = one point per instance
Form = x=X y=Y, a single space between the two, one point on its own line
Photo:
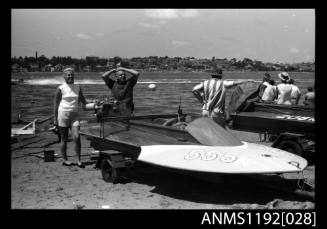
x=121 y=87
x=211 y=93
x=284 y=89
x=295 y=94
x=309 y=98
x=66 y=114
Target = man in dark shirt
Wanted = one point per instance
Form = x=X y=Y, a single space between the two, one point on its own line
x=309 y=98
x=122 y=87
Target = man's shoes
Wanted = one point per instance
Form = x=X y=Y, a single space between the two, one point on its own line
x=80 y=165
x=67 y=163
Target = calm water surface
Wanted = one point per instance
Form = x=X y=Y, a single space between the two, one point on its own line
x=34 y=98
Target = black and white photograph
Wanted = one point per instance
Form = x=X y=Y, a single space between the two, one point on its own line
x=163 y=109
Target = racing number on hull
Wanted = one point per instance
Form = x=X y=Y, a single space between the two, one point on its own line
x=299 y=118
x=209 y=155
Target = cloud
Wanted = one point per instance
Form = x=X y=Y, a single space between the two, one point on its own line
x=99 y=34
x=21 y=47
x=148 y=25
x=285 y=28
x=171 y=13
x=307 y=58
x=294 y=51
x=229 y=39
x=188 y=13
x=179 y=43
x=152 y=25
x=260 y=22
x=83 y=36
x=148 y=33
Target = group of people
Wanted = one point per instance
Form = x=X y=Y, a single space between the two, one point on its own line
x=284 y=93
x=211 y=93
x=68 y=96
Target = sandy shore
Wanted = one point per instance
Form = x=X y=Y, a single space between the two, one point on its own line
x=36 y=184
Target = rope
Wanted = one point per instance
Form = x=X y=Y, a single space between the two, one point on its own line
x=299 y=180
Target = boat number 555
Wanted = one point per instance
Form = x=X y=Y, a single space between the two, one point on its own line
x=211 y=155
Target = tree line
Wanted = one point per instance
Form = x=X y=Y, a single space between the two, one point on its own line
x=151 y=63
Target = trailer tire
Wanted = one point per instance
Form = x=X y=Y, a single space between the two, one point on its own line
x=290 y=146
x=109 y=173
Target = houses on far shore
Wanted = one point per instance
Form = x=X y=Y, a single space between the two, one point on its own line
x=151 y=63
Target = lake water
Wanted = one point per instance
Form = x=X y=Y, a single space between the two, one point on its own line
x=35 y=98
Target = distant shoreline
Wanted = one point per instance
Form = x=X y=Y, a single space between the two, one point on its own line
x=169 y=72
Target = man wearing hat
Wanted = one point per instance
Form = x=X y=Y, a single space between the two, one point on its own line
x=211 y=93
x=284 y=89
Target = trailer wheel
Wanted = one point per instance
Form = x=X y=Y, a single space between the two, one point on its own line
x=109 y=173
x=291 y=146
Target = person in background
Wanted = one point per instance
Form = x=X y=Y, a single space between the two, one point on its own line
x=211 y=93
x=122 y=87
x=284 y=89
x=264 y=84
x=258 y=93
x=309 y=98
x=270 y=92
x=296 y=93
x=66 y=114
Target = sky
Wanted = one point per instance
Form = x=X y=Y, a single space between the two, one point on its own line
x=268 y=35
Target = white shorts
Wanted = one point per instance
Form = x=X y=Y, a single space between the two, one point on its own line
x=68 y=119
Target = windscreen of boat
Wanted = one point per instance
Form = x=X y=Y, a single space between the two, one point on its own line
x=209 y=133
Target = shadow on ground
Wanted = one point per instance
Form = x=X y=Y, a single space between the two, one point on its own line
x=211 y=188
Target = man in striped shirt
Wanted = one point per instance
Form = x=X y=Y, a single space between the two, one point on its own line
x=211 y=93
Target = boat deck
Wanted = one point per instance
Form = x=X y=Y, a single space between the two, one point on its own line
x=259 y=121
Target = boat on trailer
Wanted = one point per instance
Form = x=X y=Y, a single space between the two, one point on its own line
x=198 y=146
x=292 y=127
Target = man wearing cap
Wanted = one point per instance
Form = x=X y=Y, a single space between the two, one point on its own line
x=296 y=93
x=284 y=89
x=122 y=87
x=66 y=114
x=211 y=93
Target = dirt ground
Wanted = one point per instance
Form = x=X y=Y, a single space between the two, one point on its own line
x=36 y=184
